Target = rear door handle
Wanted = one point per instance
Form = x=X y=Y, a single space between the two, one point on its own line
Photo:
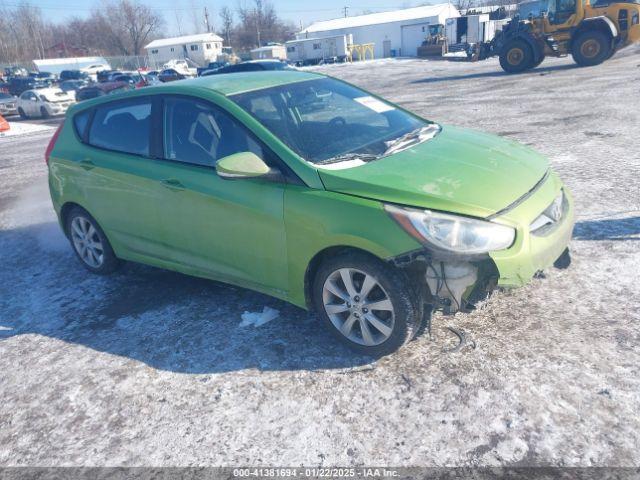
x=87 y=164
x=172 y=184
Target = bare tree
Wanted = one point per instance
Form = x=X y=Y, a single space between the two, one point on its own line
x=259 y=24
x=129 y=24
x=226 y=16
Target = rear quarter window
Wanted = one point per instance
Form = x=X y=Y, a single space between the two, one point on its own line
x=80 y=122
x=122 y=127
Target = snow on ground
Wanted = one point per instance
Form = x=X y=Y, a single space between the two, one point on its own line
x=149 y=367
x=23 y=128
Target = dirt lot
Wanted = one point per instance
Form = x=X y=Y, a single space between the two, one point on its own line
x=149 y=367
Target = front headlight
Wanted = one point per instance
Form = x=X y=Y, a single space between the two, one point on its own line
x=451 y=232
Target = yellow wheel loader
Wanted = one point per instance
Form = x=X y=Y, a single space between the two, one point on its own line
x=591 y=33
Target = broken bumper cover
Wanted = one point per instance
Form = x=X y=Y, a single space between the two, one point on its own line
x=533 y=252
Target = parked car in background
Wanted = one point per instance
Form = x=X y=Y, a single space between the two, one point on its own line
x=170 y=75
x=17 y=85
x=132 y=78
x=99 y=89
x=181 y=66
x=71 y=86
x=8 y=104
x=250 y=66
x=331 y=198
x=73 y=75
x=151 y=77
x=47 y=77
x=44 y=102
x=211 y=66
x=105 y=75
x=15 y=72
x=93 y=70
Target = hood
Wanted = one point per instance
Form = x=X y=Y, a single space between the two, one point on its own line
x=459 y=170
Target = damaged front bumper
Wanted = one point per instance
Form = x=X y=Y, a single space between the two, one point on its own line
x=457 y=283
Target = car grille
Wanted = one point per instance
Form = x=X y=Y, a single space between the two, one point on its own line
x=551 y=217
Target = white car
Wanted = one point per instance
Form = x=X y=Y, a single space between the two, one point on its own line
x=43 y=102
x=180 y=66
x=93 y=70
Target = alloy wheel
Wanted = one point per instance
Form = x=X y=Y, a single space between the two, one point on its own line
x=87 y=242
x=358 y=306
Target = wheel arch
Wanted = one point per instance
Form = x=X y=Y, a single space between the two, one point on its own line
x=316 y=261
x=602 y=24
x=67 y=207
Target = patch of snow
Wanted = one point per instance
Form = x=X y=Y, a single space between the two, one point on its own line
x=21 y=128
x=257 y=319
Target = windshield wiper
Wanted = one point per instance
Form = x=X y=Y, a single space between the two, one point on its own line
x=414 y=137
x=365 y=157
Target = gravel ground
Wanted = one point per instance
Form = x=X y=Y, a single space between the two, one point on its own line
x=149 y=367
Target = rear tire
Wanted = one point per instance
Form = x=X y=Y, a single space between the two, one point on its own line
x=591 y=48
x=516 y=56
x=22 y=114
x=377 y=313
x=89 y=242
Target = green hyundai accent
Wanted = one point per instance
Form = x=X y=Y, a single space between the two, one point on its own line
x=309 y=189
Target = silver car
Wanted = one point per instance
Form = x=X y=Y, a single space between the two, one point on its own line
x=8 y=104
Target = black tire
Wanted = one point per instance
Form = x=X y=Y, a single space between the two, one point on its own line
x=22 y=114
x=407 y=311
x=516 y=56
x=44 y=112
x=538 y=62
x=591 y=48
x=109 y=262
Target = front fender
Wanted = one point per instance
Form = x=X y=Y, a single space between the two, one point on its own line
x=316 y=220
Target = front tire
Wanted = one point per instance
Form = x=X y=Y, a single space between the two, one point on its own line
x=516 y=56
x=44 y=113
x=89 y=243
x=367 y=304
x=22 y=114
x=591 y=48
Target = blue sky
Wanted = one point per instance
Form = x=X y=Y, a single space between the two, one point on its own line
x=181 y=12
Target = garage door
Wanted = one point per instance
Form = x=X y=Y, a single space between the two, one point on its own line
x=412 y=38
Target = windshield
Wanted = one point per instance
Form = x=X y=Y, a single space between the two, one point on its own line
x=326 y=121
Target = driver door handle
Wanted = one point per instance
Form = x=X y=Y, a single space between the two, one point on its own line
x=87 y=164
x=172 y=184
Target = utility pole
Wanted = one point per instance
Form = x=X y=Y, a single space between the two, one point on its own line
x=206 y=19
x=345 y=10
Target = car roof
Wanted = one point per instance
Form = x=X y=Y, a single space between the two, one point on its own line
x=241 y=82
x=44 y=91
x=230 y=84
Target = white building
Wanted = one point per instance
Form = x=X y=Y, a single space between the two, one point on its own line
x=201 y=49
x=398 y=32
x=269 y=52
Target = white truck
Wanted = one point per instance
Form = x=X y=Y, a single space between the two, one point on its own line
x=470 y=34
x=312 y=51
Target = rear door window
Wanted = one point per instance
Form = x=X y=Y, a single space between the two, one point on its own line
x=122 y=127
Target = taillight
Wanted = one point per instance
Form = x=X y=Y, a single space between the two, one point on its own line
x=52 y=143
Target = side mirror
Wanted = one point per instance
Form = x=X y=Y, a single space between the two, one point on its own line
x=242 y=165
